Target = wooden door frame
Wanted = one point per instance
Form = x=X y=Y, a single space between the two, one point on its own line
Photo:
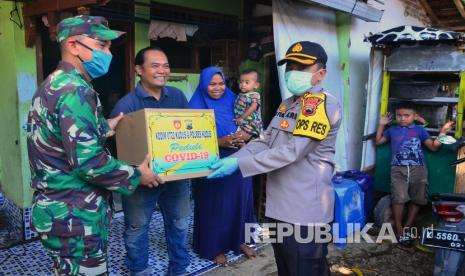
x=129 y=49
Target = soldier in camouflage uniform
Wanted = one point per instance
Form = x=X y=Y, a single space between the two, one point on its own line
x=72 y=174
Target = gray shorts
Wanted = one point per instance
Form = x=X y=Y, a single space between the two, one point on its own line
x=409 y=183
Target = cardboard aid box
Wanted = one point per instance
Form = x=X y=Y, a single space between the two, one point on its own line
x=182 y=143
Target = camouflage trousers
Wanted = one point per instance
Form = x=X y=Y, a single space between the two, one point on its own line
x=95 y=265
x=75 y=237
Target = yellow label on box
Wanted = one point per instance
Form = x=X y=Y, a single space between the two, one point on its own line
x=182 y=142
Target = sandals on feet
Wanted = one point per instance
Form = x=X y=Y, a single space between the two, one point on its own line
x=406 y=240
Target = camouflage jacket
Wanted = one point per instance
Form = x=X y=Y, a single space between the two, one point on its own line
x=65 y=138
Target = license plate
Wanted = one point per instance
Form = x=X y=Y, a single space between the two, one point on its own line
x=443 y=238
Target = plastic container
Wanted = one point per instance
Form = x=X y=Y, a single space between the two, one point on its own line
x=349 y=213
x=366 y=183
x=408 y=89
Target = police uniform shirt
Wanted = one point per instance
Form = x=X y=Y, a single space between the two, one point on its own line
x=297 y=152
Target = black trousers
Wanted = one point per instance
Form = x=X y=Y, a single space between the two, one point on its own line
x=300 y=259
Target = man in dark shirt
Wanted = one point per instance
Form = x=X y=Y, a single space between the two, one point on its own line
x=151 y=92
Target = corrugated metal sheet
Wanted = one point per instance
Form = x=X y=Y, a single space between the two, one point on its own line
x=356 y=8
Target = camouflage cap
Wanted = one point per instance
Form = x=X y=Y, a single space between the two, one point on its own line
x=92 y=26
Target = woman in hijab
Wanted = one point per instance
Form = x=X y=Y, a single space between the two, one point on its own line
x=224 y=205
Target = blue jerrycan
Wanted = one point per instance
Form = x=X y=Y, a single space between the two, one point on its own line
x=366 y=183
x=349 y=210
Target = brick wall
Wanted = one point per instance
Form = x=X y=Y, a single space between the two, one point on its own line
x=414 y=9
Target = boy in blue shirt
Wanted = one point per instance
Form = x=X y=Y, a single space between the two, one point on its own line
x=409 y=178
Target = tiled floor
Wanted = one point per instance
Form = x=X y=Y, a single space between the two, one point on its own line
x=31 y=258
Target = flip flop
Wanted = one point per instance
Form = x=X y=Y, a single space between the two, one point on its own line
x=446 y=139
x=405 y=240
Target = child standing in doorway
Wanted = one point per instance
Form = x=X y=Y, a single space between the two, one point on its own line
x=409 y=178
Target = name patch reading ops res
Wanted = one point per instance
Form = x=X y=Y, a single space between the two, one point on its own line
x=182 y=142
x=313 y=121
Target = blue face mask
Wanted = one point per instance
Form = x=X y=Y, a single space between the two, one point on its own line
x=99 y=64
x=298 y=82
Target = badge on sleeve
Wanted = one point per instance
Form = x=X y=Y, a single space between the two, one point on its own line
x=284 y=124
x=313 y=121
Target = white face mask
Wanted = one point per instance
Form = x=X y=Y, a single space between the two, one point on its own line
x=298 y=82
